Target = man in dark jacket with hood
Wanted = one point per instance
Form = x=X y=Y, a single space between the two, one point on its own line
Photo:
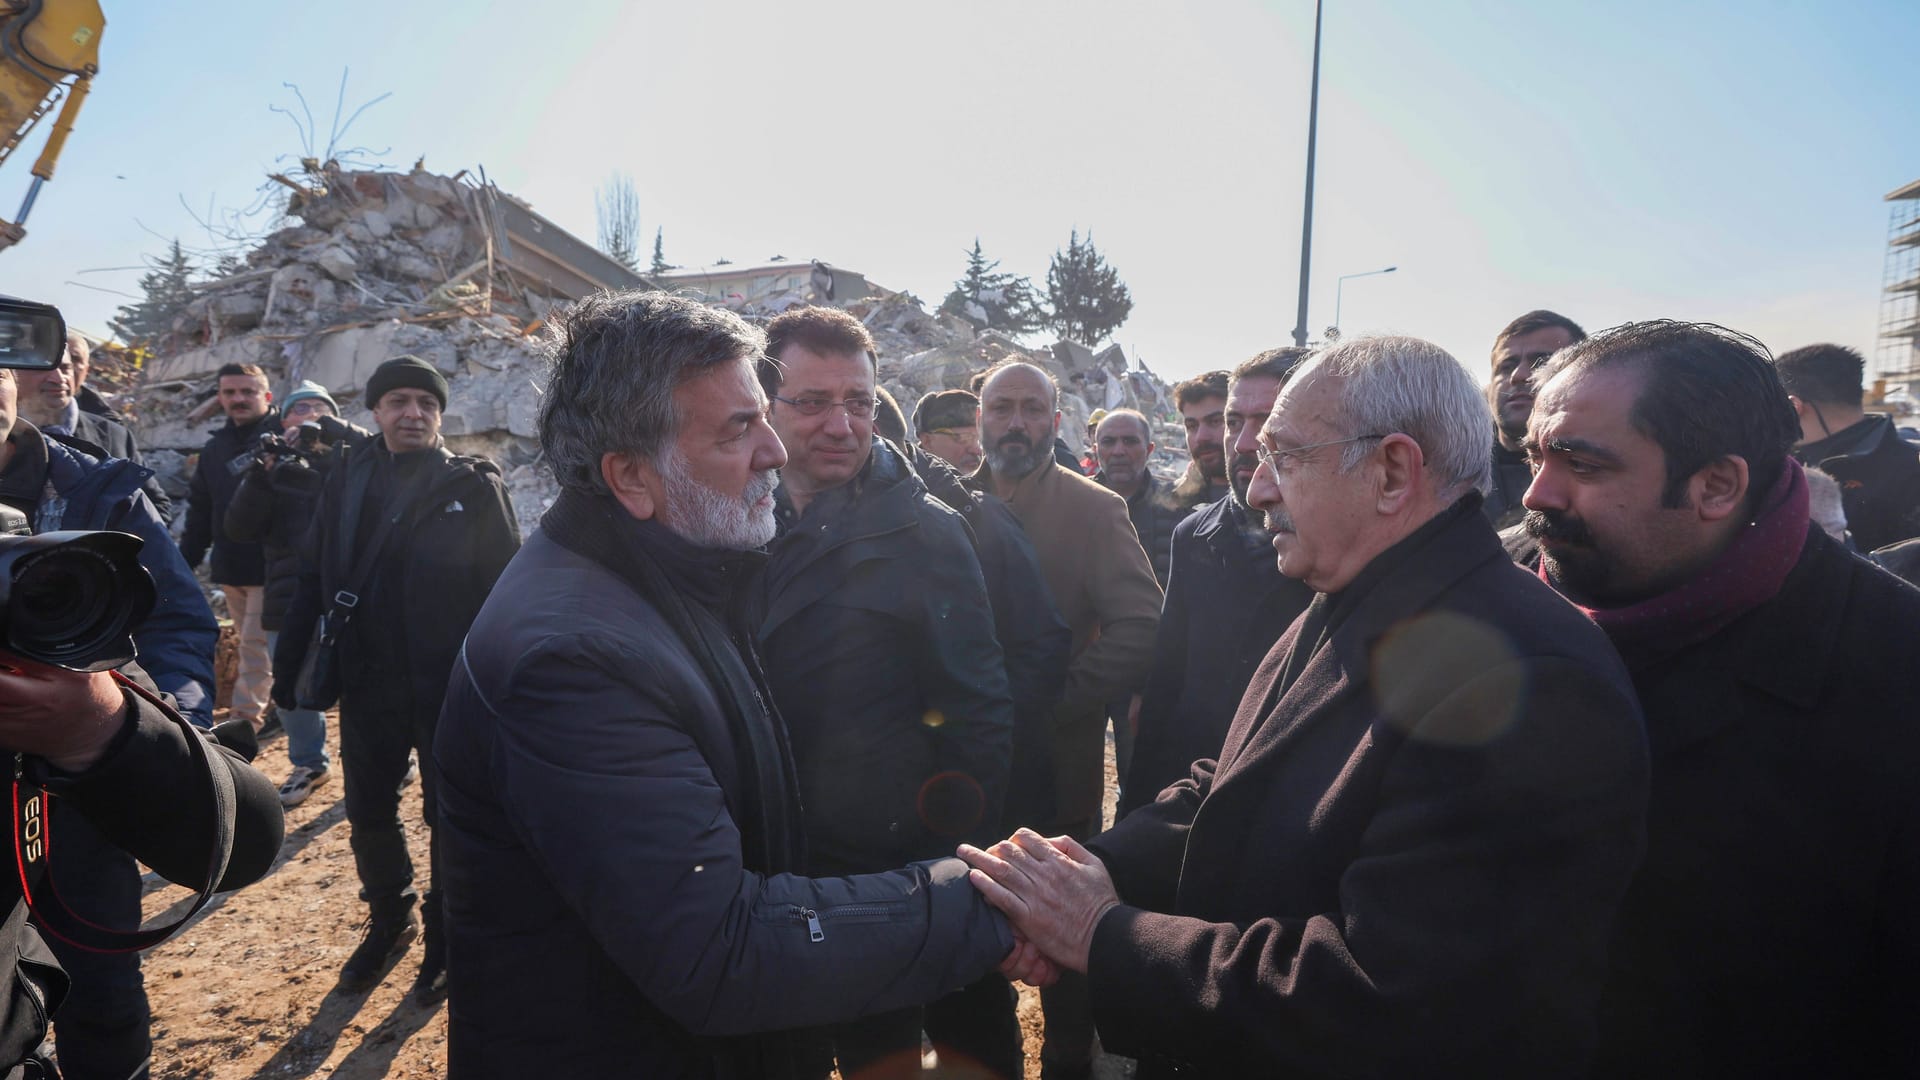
x=58 y=486
x=406 y=543
x=878 y=640
x=623 y=840
x=1770 y=931
x=238 y=568
x=1878 y=471
x=1227 y=603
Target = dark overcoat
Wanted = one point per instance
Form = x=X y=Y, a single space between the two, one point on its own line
x=1774 y=928
x=1408 y=857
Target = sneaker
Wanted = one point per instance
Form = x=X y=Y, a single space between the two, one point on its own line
x=386 y=939
x=269 y=722
x=413 y=770
x=300 y=784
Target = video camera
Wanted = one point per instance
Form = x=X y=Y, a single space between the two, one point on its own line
x=32 y=336
x=69 y=599
x=310 y=440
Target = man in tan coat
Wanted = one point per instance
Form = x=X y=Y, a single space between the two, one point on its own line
x=1104 y=588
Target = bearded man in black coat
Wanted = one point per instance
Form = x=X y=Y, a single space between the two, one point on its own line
x=1771 y=930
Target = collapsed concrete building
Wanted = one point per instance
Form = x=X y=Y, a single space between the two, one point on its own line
x=372 y=265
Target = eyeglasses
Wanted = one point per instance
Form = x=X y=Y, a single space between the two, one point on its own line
x=1271 y=459
x=860 y=408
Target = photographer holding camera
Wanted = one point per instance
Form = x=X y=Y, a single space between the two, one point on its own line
x=273 y=507
x=110 y=756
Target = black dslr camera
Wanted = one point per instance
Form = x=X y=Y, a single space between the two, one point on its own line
x=70 y=599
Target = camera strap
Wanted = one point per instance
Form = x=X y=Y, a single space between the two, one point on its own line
x=33 y=847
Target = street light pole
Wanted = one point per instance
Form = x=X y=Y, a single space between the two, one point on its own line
x=1306 y=225
x=1341 y=283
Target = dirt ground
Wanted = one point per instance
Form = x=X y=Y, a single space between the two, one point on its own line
x=247 y=991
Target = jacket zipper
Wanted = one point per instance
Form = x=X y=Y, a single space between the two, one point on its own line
x=816 y=932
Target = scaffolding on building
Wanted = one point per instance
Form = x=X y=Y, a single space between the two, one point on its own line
x=1897 y=359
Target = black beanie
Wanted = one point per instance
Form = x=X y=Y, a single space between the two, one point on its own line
x=406 y=373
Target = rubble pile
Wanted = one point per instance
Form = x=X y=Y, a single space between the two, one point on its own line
x=371 y=265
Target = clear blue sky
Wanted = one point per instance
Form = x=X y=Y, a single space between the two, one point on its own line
x=1611 y=161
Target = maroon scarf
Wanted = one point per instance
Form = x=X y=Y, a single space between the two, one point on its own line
x=1746 y=575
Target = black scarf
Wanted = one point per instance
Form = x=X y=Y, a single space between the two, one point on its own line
x=702 y=594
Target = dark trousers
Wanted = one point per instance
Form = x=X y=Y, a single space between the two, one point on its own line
x=103 y=1029
x=975 y=1027
x=376 y=733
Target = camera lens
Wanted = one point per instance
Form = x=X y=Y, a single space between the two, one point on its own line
x=63 y=601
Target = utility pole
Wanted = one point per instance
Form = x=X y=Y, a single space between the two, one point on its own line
x=1306 y=224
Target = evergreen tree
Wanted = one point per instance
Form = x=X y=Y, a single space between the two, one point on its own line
x=994 y=301
x=659 y=257
x=1089 y=300
x=165 y=293
x=617 y=213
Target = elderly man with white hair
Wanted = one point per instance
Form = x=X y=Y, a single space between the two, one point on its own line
x=1407 y=857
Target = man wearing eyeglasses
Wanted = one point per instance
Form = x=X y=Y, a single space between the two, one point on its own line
x=946 y=424
x=1521 y=349
x=1408 y=856
x=878 y=640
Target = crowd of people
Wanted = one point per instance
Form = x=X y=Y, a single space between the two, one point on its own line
x=1551 y=724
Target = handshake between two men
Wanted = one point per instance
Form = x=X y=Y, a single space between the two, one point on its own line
x=1053 y=891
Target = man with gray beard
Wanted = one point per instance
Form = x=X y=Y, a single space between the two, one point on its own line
x=1227 y=603
x=620 y=821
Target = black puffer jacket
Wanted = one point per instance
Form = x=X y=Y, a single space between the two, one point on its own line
x=457 y=533
x=273 y=507
x=879 y=647
x=619 y=833
x=223 y=461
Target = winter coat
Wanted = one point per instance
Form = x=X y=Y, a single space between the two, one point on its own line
x=274 y=507
x=1154 y=515
x=453 y=538
x=223 y=461
x=1103 y=586
x=879 y=647
x=151 y=767
x=620 y=835
x=1879 y=475
x=1033 y=638
x=92 y=402
x=1407 y=858
x=114 y=440
x=175 y=642
x=1227 y=603
x=1771 y=931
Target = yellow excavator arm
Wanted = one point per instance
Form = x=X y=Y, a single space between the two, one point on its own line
x=49 y=53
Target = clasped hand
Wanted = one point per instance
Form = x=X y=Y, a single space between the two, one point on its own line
x=1053 y=891
x=67 y=717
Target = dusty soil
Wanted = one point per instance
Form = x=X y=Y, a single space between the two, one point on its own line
x=247 y=991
